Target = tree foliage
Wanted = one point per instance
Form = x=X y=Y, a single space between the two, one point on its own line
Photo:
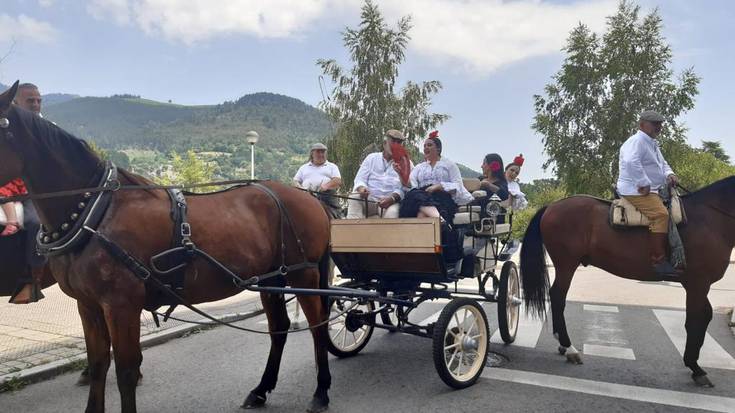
x=363 y=102
x=187 y=171
x=591 y=107
x=695 y=167
x=715 y=148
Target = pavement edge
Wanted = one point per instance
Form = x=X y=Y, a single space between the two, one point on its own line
x=55 y=368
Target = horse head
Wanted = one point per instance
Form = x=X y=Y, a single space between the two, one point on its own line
x=11 y=164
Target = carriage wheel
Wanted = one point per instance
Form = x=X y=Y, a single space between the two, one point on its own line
x=460 y=343
x=350 y=332
x=509 y=302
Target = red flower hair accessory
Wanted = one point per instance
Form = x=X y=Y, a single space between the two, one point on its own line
x=434 y=134
x=494 y=166
x=518 y=160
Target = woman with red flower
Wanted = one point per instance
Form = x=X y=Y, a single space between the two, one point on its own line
x=493 y=179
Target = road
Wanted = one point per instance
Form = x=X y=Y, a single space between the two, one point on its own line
x=632 y=358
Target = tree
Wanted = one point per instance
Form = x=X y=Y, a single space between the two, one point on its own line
x=694 y=167
x=715 y=148
x=363 y=102
x=591 y=107
x=189 y=171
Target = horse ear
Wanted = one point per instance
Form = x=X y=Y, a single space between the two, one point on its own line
x=6 y=98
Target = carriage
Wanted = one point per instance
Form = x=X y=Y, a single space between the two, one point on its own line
x=405 y=262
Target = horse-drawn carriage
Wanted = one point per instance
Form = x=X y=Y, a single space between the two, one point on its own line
x=413 y=260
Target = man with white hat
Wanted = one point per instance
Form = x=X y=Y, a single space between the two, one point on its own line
x=319 y=175
x=643 y=172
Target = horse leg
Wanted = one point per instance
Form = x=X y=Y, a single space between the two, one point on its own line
x=699 y=314
x=315 y=313
x=558 y=297
x=124 y=326
x=97 y=339
x=275 y=309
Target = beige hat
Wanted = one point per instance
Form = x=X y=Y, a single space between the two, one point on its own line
x=651 y=116
x=318 y=145
x=395 y=134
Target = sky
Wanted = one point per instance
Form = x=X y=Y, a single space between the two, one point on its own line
x=491 y=56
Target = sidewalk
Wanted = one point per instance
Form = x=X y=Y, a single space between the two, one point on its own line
x=50 y=332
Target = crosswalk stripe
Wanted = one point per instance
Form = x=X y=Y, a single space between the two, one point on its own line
x=604 y=308
x=608 y=351
x=711 y=354
x=620 y=391
x=529 y=331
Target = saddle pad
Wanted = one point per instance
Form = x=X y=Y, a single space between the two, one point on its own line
x=18 y=212
x=623 y=213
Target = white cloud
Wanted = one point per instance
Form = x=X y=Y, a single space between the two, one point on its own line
x=478 y=36
x=481 y=36
x=25 y=28
x=194 y=21
x=46 y=3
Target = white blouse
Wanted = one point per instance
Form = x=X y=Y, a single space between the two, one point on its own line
x=444 y=172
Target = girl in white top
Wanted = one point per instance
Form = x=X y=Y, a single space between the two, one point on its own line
x=512 y=170
x=436 y=184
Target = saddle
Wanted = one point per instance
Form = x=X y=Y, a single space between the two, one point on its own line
x=625 y=214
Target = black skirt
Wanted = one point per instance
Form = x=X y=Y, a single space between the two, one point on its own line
x=417 y=198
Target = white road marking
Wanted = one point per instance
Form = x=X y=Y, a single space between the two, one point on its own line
x=619 y=391
x=608 y=351
x=605 y=308
x=529 y=331
x=711 y=354
x=431 y=319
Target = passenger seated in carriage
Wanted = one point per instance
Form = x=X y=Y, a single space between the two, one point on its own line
x=378 y=183
x=512 y=170
x=321 y=176
x=437 y=187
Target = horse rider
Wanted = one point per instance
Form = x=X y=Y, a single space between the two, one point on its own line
x=321 y=176
x=378 y=181
x=643 y=172
x=28 y=98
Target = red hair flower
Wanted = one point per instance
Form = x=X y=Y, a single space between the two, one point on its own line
x=495 y=166
x=518 y=160
x=434 y=134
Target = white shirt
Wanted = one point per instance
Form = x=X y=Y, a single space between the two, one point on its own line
x=444 y=172
x=519 y=198
x=311 y=176
x=378 y=176
x=641 y=164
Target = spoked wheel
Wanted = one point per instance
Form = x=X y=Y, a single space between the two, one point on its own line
x=350 y=332
x=509 y=302
x=460 y=343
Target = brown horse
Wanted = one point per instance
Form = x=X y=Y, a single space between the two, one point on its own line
x=576 y=231
x=239 y=228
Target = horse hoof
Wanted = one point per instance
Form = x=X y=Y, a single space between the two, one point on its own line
x=562 y=350
x=574 y=358
x=253 y=401
x=318 y=405
x=702 y=381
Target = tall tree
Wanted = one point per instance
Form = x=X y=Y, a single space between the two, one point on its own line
x=591 y=107
x=363 y=102
x=715 y=149
x=188 y=171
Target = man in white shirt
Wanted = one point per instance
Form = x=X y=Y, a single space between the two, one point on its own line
x=643 y=171
x=321 y=176
x=378 y=181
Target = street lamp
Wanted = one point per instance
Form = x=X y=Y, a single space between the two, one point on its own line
x=252 y=138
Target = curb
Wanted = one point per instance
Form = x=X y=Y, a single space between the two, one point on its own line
x=54 y=368
x=732 y=317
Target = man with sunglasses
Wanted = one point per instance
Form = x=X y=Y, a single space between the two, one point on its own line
x=378 y=182
x=643 y=172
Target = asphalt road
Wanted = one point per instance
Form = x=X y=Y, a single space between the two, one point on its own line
x=631 y=363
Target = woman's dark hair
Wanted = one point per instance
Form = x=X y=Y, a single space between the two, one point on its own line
x=438 y=143
x=499 y=172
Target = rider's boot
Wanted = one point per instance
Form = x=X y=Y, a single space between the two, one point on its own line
x=658 y=243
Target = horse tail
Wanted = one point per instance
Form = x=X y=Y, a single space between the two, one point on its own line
x=534 y=274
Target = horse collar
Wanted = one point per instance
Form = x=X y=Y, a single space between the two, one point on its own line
x=90 y=211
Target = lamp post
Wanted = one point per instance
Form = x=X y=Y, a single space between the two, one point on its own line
x=252 y=138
